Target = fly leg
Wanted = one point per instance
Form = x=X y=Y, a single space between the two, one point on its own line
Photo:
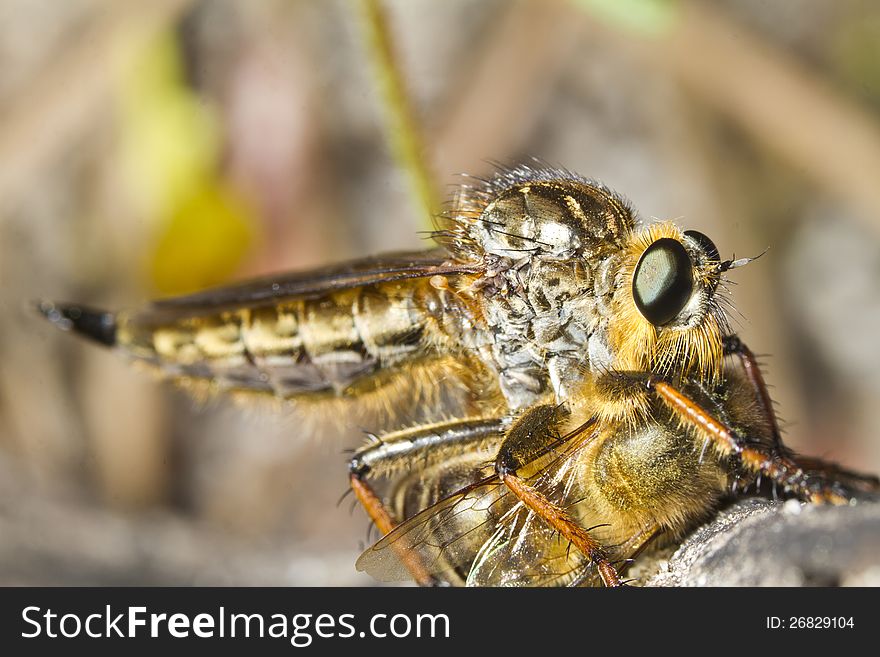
x=855 y=480
x=734 y=346
x=639 y=543
x=630 y=550
x=531 y=436
x=756 y=458
x=768 y=461
x=402 y=451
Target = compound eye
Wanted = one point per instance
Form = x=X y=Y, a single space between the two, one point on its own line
x=706 y=245
x=663 y=281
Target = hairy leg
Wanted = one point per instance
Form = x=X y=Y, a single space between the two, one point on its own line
x=533 y=434
x=799 y=477
x=736 y=347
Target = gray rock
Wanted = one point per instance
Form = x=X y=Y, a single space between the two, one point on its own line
x=757 y=542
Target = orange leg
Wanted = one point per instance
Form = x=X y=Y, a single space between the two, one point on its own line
x=768 y=462
x=565 y=525
x=637 y=544
x=404 y=450
x=385 y=524
x=734 y=346
x=533 y=435
x=818 y=485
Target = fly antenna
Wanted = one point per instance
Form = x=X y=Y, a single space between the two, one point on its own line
x=738 y=262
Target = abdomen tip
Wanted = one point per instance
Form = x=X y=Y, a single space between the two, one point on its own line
x=97 y=325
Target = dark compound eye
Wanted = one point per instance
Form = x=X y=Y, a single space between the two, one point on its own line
x=706 y=245
x=663 y=281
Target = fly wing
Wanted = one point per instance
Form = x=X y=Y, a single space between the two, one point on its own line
x=444 y=538
x=310 y=284
x=484 y=535
x=525 y=550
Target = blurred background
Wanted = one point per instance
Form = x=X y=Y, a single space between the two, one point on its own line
x=149 y=149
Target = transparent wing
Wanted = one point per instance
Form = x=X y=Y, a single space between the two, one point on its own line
x=485 y=536
x=444 y=537
x=525 y=550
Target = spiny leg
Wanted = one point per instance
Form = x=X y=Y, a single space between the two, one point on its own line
x=779 y=468
x=728 y=442
x=857 y=480
x=809 y=485
x=629 y=551
x=637 y=544
x=406 y=450
x=557 y=518
x=734 y=346
x=531 y=436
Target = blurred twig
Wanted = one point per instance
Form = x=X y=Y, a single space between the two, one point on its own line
x=402 y=127
x=66 y=95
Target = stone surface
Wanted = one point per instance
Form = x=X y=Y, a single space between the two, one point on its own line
x=758 y=542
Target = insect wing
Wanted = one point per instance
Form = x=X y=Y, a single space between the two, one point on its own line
x=309 y=284
x=486 y=536
x=445 y=537
x=525 y=550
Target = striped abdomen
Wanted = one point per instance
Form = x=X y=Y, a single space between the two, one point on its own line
x=333 y=343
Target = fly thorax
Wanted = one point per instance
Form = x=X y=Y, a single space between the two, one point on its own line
x=540 y=233
x=542 y=313
x=519 y=222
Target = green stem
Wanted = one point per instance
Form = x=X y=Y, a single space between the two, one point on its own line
x=403 y=131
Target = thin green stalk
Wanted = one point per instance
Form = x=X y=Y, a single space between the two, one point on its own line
x=404 y=134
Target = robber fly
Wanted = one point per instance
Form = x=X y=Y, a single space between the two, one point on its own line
x=581 y=389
